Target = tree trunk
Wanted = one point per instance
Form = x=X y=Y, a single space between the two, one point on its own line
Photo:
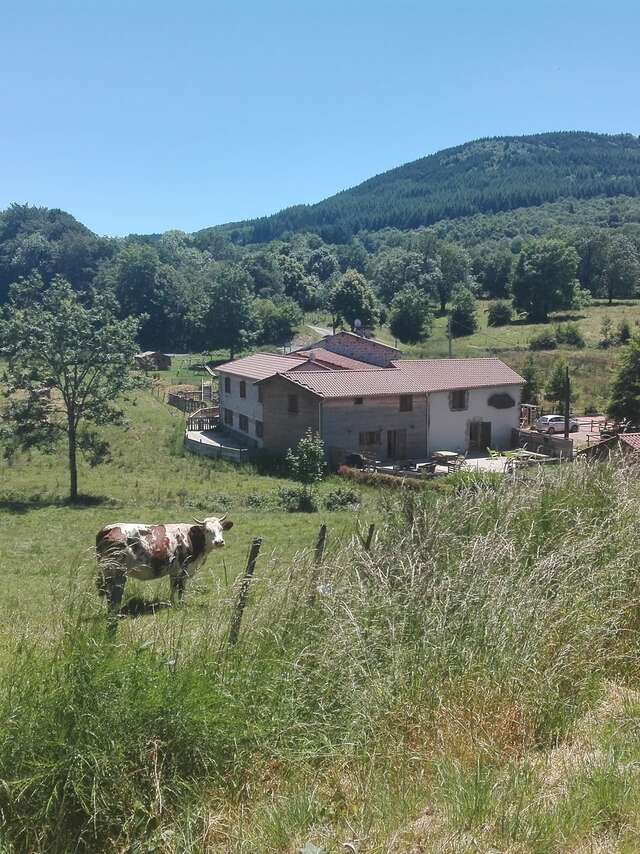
x=73 y=462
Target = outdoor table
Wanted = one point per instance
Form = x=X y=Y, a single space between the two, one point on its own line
x=445 y=456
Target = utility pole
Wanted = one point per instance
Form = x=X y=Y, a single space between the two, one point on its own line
x=567 y=402
x=449 y=336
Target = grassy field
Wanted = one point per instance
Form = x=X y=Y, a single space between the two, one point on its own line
x=470 y=685
x=47 y=545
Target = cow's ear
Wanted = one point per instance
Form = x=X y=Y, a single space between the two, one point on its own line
x=227 y=524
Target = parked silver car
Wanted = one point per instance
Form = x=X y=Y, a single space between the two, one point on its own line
x=555 y=424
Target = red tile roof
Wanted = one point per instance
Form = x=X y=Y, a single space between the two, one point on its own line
x=261 y=365
x=407 y=377
x=335 y=360
x=631 y=439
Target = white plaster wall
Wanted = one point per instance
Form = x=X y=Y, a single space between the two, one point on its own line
x=249 y=405
x=342 y=421
x=450 y=430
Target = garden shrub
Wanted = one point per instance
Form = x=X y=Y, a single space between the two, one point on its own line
x=297 y=500
x=543 y=341
x=342 y=498
x=570 y=334
x=376 y=479
x=499 y=314
x=255 y=500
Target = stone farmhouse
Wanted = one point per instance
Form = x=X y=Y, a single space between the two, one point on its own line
x=360 y=396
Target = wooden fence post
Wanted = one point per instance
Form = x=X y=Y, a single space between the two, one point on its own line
x=320 y=544
x=369 y=540
x=244 y=590
x=317 y=560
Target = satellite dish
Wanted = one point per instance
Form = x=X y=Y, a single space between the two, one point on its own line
x=357 y=323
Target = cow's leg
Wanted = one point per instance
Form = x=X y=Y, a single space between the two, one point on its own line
x=178 y=582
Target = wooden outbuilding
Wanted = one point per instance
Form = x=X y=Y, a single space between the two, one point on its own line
x=152 y=360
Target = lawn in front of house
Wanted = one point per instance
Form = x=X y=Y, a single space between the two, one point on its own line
x=47 y=546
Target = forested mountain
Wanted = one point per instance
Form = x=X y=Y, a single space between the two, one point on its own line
x=484 y=176
x=498 y=218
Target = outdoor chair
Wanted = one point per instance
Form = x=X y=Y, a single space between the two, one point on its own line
x=458 y=463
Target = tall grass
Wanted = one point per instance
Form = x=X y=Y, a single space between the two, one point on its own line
x=469 y=682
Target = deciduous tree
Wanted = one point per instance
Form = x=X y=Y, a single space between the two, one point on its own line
x=532 y=383
x=69 y=359
x=307 y=462
x=232 y=322
x=352 y=299
x=464 y=319
x=411 y=317
x=554 y=389
x=545 y=279
x=625 y=389
x=278 y=320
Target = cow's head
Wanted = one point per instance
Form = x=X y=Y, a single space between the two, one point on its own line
x=214 y=528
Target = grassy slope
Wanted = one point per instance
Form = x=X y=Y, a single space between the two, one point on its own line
x=43 y=542
x=591 y=368
x=471 y=685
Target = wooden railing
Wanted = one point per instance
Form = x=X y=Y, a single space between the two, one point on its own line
x=207 y=418
x=185 y=401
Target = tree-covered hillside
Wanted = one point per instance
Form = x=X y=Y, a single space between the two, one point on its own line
x=218 y=289
x=484 y=176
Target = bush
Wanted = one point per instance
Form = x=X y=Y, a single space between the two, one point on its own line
x=376 y=479
x=297 y=500
x=256 y=500
x=543 y=341
x=570 y=334
x=499 y=314
x=624 y=331
x=210 y=504
x=342 y=498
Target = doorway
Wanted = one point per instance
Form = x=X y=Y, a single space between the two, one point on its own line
x=397 y=444
x=479 y=435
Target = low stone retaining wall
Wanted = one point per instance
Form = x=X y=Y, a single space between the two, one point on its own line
x=554 y=446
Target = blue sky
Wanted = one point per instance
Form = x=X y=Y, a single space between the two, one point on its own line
x=142 y=116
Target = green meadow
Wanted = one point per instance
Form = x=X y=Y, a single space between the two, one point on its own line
x=470 y=684
x=46 y=545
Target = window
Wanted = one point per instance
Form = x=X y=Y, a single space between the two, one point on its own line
x=259 y=394
x=259 y=429
x=227 y=385
x=243 y=388
x=358 y=401
x=406 y=403
x=370 y=437
x=244 y=423
x=293 y=404
x=458 y=399
x=228 y=417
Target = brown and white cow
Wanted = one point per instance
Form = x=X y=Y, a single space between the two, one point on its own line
x=135 y=550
